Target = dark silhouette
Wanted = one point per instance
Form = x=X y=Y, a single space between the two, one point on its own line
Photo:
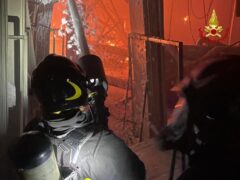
x=206 y=122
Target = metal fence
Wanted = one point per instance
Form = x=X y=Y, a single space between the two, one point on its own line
x=156 y=65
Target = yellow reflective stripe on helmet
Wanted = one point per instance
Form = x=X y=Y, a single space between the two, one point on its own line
x=78 y=91
x=57 y=112
x=92 y=94
x=87 y=178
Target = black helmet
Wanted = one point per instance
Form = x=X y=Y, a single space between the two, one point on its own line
x=209 y=116
x=59 y=85
x=92 y=66
x=93 y=69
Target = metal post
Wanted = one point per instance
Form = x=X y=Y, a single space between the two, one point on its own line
x=232 y=21
x=154 y=27
x=173 y=163
x=78 y=28
x=3 y=73
x=63 y=45
x=154 y=18
x=54 y=41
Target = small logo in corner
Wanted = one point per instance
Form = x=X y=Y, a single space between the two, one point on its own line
x=213 y=29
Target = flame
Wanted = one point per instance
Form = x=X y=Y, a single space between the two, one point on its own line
x=186 y=18
x=110 y=43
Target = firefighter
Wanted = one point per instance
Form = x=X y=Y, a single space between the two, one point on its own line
x=96 y=79
x=206 y=122
x=71 y=120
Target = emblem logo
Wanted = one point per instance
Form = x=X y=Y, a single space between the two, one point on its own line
x=213 y=29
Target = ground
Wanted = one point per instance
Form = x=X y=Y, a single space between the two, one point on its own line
x=120 y=112
x=157 y=163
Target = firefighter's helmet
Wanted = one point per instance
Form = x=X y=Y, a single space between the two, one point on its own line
x=59 y=85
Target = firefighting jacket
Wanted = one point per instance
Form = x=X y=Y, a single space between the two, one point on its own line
x=97 y=156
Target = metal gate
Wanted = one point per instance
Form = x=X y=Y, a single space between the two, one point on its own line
x=156 y=65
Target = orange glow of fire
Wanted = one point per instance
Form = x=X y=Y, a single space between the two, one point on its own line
x=110 y=43
x=101 y=31
x=57 y=43
x=186 y=18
